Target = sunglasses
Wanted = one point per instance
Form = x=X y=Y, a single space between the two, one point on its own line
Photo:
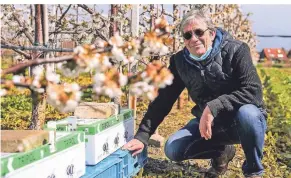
x=198 y=33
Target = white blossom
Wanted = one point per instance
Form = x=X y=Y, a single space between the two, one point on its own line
x=69 y=106
x=3 y=92
x=106 y=62
x=164 y=50
x=142 y=88
x=64 y=97
x=167 y=81
x=116 y=40
x=51 y=76
x=118 y=54
x=122 y=80
x=38 y=71
x=99 y=78
x=17 y=79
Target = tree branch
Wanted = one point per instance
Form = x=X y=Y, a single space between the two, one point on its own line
x=90 y=11
x=35 y=48
x=167 y=14
x=23 y=25
x=27 y=56
x=35 y=62
x=144 y=12
x=101 y=35
x=63 y=15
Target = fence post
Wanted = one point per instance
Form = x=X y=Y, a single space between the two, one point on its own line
x=132 y=100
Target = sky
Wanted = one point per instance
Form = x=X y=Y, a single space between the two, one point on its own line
x=270 y=20
x=266 y=20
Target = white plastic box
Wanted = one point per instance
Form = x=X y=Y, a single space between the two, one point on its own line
x=103 y=136
x=65 y=160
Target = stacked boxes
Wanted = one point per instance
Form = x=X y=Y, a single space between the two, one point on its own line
x=64 y=158
x=79 y=142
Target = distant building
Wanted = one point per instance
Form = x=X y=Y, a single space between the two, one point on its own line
x=66 y=44
x=273 y=54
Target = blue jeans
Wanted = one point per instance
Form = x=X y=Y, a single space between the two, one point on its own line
x=247 y=128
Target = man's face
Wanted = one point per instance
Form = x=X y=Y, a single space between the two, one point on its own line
x=198 y=45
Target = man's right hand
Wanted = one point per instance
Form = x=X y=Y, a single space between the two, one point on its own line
x=135 y=146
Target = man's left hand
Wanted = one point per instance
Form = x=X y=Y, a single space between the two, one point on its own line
x=206 y=123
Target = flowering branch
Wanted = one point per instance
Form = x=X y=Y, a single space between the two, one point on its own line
x=100 y=58
x=10 y=84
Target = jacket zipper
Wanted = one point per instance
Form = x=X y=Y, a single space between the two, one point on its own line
x=202 y=71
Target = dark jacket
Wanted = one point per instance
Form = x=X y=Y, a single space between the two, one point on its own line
x=225 y=81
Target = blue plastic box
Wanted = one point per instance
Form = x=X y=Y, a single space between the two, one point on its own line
x=120 y=164
x=124 y=156
x=137 y=162
x=131 y=165
x=110 y=167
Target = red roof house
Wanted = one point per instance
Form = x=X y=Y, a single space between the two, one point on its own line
x=273 y=54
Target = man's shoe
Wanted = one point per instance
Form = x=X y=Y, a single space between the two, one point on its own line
x=219 y=165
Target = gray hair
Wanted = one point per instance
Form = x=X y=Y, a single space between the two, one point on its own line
x=197 y=14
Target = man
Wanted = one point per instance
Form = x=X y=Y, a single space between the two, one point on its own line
x=221 y=79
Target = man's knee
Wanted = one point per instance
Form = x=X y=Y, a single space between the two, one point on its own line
x=177 y=143
x=173 y=150
x=249 y=114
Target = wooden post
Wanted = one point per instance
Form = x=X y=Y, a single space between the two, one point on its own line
x=134 y=32
x=112 y=31
x=45 y=32
x=31 y=24
x=45 y=25
x=175 y=46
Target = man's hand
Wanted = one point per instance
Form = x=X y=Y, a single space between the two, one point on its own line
x=134 y=145
x=206 y=123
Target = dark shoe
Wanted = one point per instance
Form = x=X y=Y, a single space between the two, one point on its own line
x=219 y=165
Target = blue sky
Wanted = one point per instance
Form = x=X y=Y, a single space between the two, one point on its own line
x=266 y=20
x=270 y=20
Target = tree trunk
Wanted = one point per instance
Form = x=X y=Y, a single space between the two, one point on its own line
x=38 y=100
x=113 y=25
x=38 y=111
